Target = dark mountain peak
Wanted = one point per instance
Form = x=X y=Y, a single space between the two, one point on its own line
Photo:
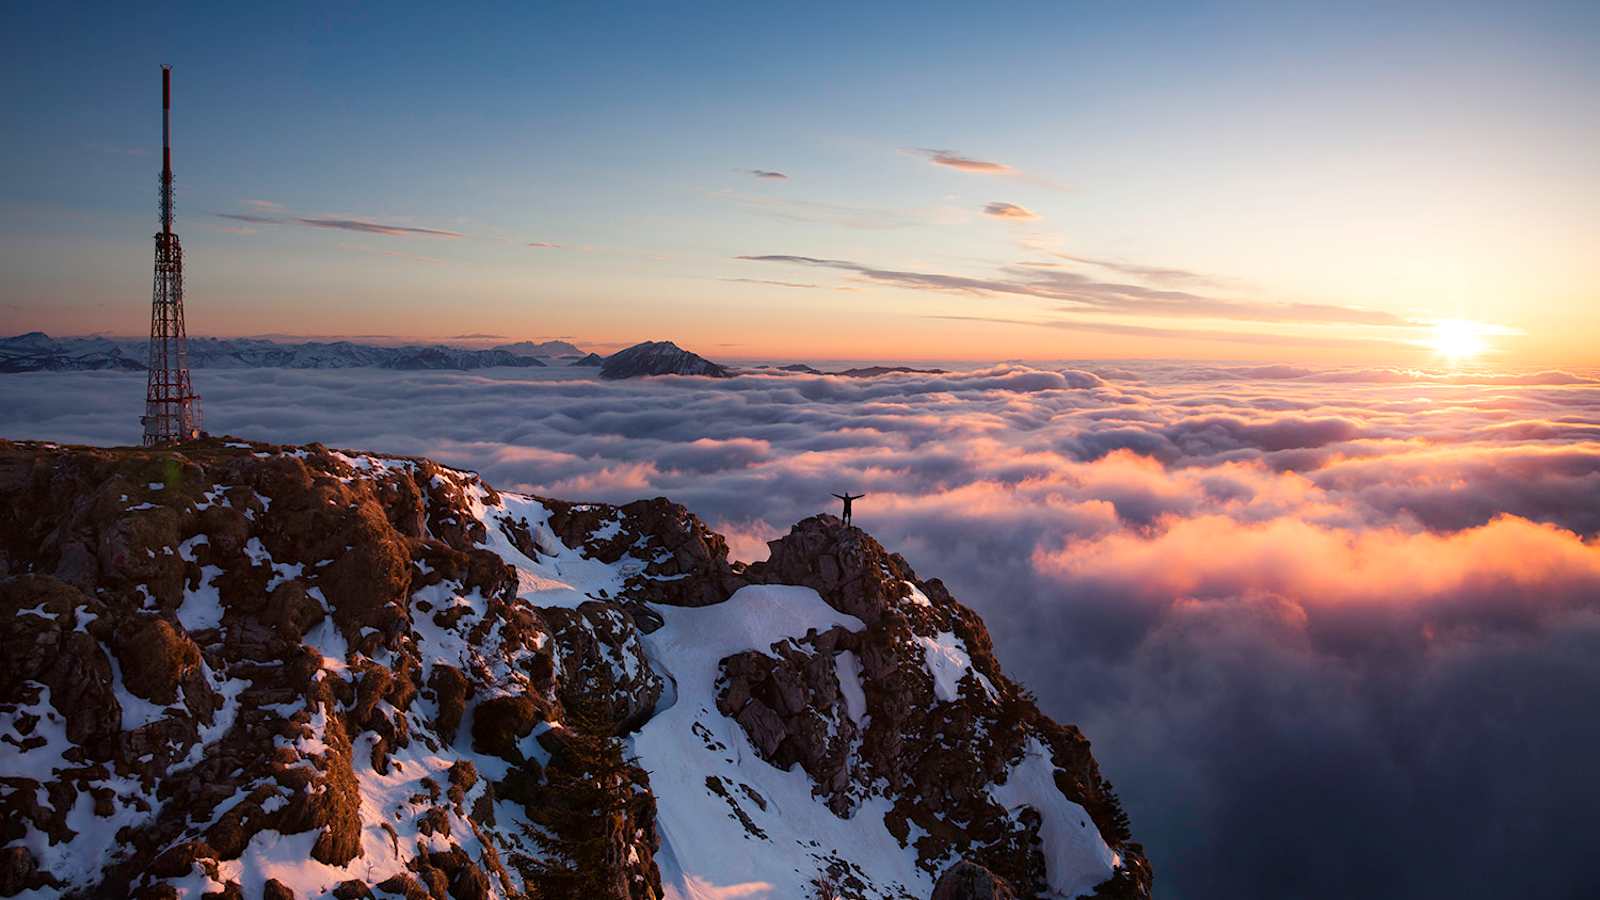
x=659 y=358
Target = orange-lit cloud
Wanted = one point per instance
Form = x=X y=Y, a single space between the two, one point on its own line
x=1245 y=581
x=954 y=160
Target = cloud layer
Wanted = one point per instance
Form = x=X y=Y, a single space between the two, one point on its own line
x=1333 y=632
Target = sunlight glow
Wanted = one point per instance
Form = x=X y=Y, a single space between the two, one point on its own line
x=1458 y=339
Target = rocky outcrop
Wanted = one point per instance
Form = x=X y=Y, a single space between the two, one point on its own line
x=942 y=724
x=659 y=358
x=232 y=654
x=684 y=563
x=970 y=881
x=589 y=361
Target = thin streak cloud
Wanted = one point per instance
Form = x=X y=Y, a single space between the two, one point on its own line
x=360 y=225
x=1255 y=338
x=1089 y=295
x=249 y=217
x=954 y=160
x=376 y=228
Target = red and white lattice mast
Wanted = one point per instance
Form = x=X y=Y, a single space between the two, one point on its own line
x=171 y=407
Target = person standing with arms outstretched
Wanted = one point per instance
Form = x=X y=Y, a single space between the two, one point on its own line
x=847 y=498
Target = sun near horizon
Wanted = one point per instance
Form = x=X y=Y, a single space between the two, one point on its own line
x=1337 y=204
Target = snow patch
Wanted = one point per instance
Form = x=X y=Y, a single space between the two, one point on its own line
x=706 y=851
x=1076 y=858
x=202 y=607
x=847 y=666
x=945 y=656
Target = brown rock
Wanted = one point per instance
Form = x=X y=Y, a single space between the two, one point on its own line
x=351 y=890
x=291 y=610
x=969 y=881
x=405 y=886
x=18 y=871
x=451 y=691
x=764 y=726
x=155 y=656
x=499 y=722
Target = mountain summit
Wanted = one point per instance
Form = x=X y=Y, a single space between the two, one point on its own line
x=247 y=670
x=659 y=358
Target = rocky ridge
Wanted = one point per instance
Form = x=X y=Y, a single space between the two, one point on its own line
x=244 y=670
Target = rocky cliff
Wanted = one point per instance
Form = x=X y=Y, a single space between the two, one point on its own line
x=244 y=670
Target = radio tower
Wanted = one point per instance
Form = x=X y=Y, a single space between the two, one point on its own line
x=171 y=407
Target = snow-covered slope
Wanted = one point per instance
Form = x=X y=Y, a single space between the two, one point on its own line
x=300 y=672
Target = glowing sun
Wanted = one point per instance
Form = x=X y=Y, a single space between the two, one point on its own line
x=1458 y=339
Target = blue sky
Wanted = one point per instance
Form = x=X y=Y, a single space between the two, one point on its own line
x=1432 y=163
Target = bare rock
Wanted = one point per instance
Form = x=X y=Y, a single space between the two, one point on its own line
x=155 y=656
x=967 y=880
x=499 y=722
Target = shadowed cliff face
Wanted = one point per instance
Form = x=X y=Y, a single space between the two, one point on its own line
x=269 y=671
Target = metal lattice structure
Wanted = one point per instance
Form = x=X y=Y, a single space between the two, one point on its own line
x=171 y=407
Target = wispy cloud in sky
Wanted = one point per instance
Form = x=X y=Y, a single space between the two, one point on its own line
x=1251 y=338
x=1159 y=274
x=375 y=227
x=954 y=160
x=360 y=225
x=251 y=217
x=544 y=245
x=1091 y=295
x=1009 y=211
x=768 y=174
x=788 y=284
x=951 y=159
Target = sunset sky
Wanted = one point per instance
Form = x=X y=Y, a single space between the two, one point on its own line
x=923 y=182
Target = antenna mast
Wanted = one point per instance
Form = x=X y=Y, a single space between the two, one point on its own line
x=171 y=407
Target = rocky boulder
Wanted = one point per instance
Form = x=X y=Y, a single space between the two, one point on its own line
x=969 y=881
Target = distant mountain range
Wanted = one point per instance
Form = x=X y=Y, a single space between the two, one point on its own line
x=38 y=352
x=545 y=349
x=867 y=372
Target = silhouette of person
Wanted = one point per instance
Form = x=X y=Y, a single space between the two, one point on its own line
x=847 y=498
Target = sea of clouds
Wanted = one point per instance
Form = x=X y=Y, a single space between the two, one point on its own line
x=1333 y=633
